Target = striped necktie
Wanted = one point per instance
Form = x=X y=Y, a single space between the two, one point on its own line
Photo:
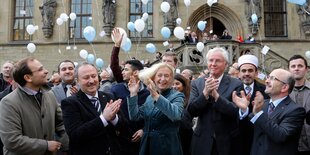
x=96 y=103
x=271 y=108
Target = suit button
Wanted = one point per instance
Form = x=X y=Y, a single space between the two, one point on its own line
x=42 y=115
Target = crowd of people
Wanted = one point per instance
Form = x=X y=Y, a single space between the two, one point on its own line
x=132 y=109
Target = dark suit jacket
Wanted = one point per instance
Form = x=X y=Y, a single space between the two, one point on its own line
x=278 y=133
x=246 y=127
x=216 y=120
x=59 y=92
x=87 y=134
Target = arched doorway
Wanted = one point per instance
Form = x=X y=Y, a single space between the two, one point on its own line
x=219 y=18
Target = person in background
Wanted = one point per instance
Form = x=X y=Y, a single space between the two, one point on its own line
x=226 y=35
x=298 y=66
x=193 y=38
x=171 y=48
x=277 y=121
x=30 y=118
x=187 y=73
x=161 y=111
x=68 y=86
x=182 y=84
x=106 y=82
x=55 y=79
x=5 y=77
x=170 y=58
x=214 y=37
x=91 y=117
x=205 y=37
x=233 y=70
x=211 y=101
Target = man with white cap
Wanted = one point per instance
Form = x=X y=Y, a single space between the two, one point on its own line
x=247 y=65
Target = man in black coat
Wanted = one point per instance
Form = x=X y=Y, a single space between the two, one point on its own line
x=90 y=117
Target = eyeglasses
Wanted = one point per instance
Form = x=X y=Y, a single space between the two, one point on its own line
x=274 y=78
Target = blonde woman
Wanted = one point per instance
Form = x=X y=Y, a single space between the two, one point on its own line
x=161 y=111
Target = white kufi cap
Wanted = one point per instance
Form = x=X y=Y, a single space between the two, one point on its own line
x=248 y=59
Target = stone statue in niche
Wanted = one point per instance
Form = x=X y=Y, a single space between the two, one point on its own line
x=304 y=14
x=172 y=14
x=108 y=7
x=48 y=10
x=253 y=6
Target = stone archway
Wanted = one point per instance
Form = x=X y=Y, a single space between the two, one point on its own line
x=222 y=13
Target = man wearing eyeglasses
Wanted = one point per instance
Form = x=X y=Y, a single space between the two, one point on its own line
x=247 y=66
x=30 y=116
x=298 y=66
x=278 y=121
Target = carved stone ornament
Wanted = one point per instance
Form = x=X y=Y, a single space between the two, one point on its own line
x=253 y=7
x=109 y=13
x=304 y=14
x=48 y=11
x=171 y=16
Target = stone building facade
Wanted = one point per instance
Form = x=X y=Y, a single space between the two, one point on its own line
x=53 y=42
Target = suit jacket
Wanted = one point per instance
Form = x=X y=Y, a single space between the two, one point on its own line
x=246 y=127
x=279 y=132
x=216 y=120
x=59 y=92
x=87 y=134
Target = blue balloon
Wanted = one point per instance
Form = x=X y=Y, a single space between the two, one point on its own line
x=90 y=58
x=89 y=33
x=131 y=26
x=150 y=48
x=299 y=2
x=202 y=25
x=254 y=18
x=99 y=63
x=127 y=46
x=165 y=32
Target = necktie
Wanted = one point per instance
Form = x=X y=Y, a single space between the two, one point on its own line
x=68 y=93
x=270 y=108
x=248 y=89
x=96 y=103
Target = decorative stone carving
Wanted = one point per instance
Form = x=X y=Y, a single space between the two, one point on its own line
x=304 y=14
x=48 y=11
x=171 y=16
x=253 y=6
x=108 y=8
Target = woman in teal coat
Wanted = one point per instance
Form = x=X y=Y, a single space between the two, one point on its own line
x=162 y=111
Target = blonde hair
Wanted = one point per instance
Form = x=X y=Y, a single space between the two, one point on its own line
x=149 y=73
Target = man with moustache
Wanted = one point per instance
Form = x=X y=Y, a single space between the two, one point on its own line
x=91 y=117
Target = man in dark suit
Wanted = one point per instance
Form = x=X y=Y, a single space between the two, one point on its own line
x=247 y=68
x=67 y=87
x=90 y=117
x=211 y=101
x=278 y=121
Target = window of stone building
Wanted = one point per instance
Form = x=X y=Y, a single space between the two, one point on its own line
x=83 y=11
x=137 y=8
x=275 y=17
x=23 y=16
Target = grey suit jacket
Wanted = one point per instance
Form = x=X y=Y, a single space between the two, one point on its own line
x=279 y=132
x=59 y=92
x=216 y=120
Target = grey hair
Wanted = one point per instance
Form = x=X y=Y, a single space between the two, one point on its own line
x=223 y=51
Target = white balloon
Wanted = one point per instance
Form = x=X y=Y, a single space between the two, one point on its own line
x=179 y=32
x=31 y=47
x=36 y=27
x=139 y=25
x=64 y=17
x=165 y=7
x=187 y=2
x=102 y=34
x=59 y=21
x=200 y=46
x=145 y=16
x=123 y=32
x=178 y=21
x=72 y=16
x=308 y=54
x=75 y=63
x=30 y=29
x=144 y=1
x=83 y=54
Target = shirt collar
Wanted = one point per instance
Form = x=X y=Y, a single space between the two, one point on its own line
x=277 y=102
x=30 y=91
x=89 y=96
x=251 y=85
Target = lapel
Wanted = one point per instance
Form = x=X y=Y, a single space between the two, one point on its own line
x=103 y=99
x=280 y=108
x=61 y=91
x=224 y=85
x=85 y=101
